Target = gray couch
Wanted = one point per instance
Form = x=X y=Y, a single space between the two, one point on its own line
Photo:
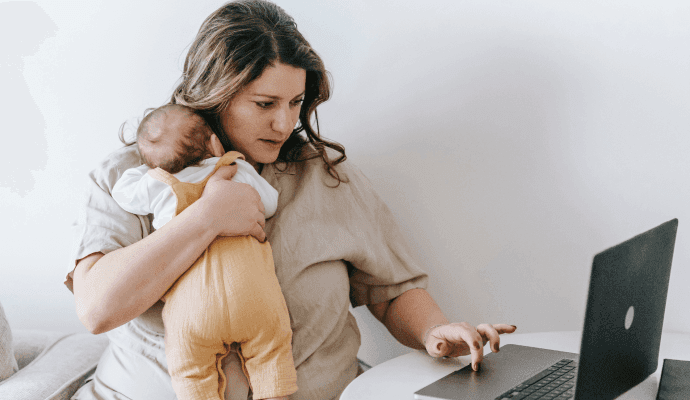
x=52 y=365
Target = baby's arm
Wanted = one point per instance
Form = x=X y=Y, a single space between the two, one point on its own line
x=139 y=193
x=130 y=191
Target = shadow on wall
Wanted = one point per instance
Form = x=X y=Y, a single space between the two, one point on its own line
x=24 y=26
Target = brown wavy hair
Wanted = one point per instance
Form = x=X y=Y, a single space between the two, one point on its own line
x=233 y=47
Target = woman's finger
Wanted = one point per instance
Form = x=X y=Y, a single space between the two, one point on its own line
x=459 y=339
x=464 y=333
x=225 y=172
x=258 y=233
x=491 y=335
x=504 y=328
x=261 y=219
x=435 y=346
x=476 y=344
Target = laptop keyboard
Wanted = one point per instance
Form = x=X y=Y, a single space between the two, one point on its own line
x=556 y=382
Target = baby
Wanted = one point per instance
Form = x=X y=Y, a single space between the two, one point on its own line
x=231 y=293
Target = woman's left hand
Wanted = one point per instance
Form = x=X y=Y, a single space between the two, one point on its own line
x=461 y=339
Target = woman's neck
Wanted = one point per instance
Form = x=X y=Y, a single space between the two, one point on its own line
x=258 y=167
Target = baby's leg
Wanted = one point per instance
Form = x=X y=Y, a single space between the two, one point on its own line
x=261 y=322
x=193 y=366
x=194 y=321
x=268 y=358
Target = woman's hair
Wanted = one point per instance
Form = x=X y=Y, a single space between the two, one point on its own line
x=234 y=46
x=188 y=147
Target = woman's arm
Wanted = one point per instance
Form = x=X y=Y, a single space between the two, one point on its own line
x=416 y=321
x=117 y=287
x=408 y=316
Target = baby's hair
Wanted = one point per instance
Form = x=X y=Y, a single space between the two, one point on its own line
x=189 y=148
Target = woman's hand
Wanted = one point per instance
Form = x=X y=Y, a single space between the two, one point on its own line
x=416 y=321
x=232 y=208
x=461 y=339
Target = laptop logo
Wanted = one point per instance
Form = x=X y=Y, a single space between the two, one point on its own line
x=629 y=317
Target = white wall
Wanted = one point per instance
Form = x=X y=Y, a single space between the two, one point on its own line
x=513 y=140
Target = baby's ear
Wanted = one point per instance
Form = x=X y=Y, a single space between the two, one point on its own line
x=215 y=147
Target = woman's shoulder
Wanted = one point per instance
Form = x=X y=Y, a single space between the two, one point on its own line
x=350 y=178
x=111 y=168
x=318 y=164
x=123 y=158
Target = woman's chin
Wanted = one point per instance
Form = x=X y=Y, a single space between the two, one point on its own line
x=265 y=158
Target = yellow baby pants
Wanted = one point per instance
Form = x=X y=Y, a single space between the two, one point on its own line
x=230 y=294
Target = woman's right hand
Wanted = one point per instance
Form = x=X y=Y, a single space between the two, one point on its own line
x=232 y=208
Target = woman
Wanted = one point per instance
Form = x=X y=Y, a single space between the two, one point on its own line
x=258 y=82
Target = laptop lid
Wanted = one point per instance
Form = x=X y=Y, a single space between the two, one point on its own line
x=625 y=313
x=620 y=347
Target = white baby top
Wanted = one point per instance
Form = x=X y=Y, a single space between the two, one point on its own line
x=139 y=193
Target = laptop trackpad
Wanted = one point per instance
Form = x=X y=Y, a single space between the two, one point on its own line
x=498 y=373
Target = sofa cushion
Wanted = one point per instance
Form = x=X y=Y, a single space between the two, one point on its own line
x=30 y=343
x=59 y=370
x=8 y=364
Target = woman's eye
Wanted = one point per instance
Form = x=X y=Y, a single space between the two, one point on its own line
x=268 y=104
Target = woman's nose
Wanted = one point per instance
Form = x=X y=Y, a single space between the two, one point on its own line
x=282 y=121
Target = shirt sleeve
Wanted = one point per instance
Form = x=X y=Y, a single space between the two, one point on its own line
x=102 y=225
x=139 y=193
x=131 y=191
x=381 y=266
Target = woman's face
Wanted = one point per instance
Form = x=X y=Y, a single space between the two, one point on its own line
x=261 y=117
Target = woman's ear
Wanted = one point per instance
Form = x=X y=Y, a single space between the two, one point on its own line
x=215 y=147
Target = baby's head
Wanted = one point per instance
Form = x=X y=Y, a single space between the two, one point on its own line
x=174 y=137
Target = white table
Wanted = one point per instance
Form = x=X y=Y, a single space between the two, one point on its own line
x=399 y=378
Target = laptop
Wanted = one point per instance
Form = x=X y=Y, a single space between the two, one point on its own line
x=620 y=339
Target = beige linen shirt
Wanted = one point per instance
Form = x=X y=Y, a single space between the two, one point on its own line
x=332 y=247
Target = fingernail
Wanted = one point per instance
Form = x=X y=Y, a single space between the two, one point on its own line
x=514 y=326
x=474 y=366
x=496 y=348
